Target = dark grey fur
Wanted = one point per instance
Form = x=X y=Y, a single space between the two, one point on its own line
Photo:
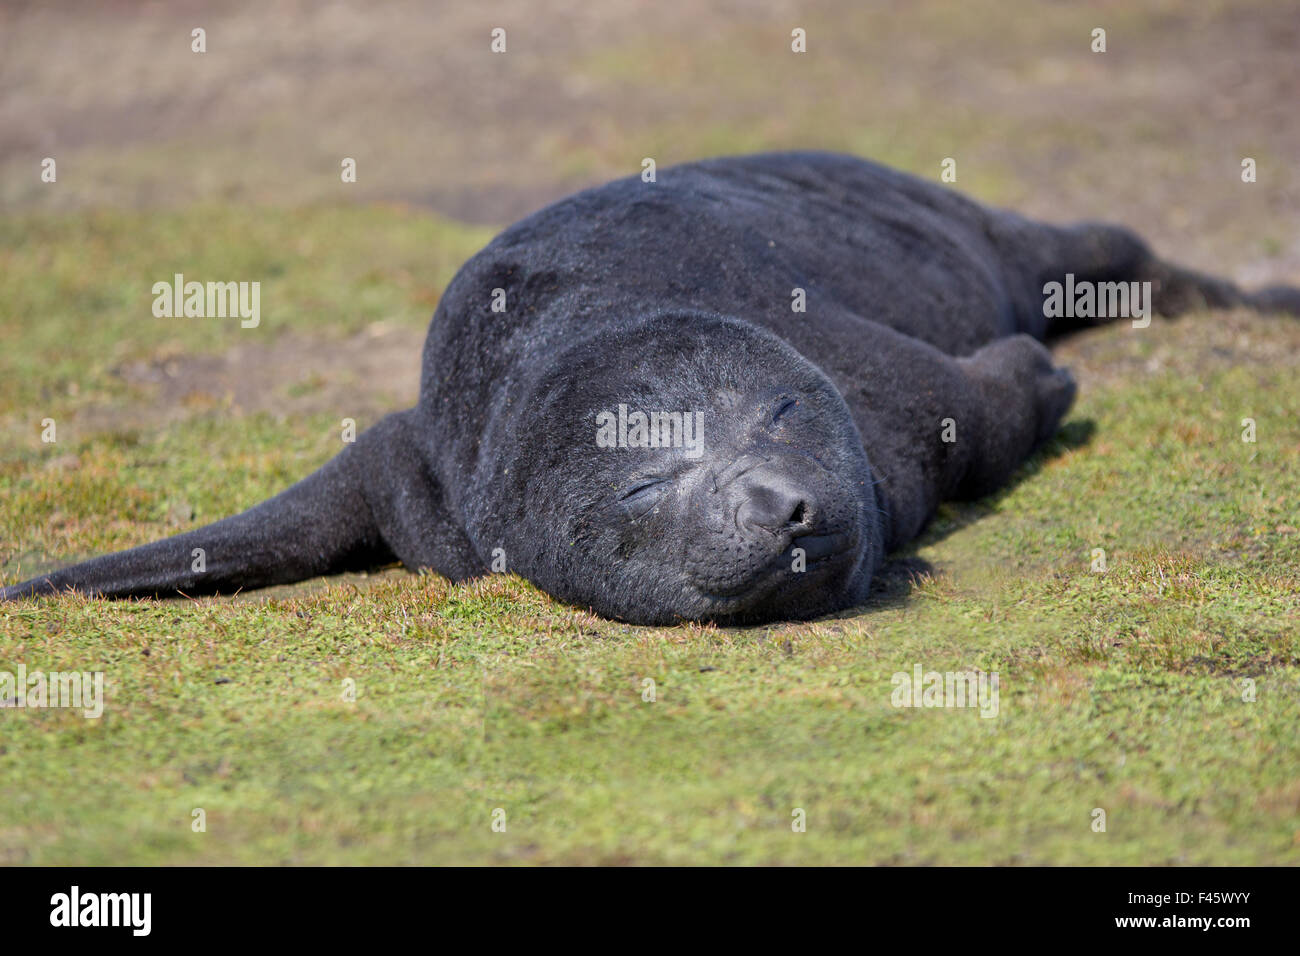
x=822 y=430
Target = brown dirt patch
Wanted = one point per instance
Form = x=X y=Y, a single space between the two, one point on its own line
x=370 y=373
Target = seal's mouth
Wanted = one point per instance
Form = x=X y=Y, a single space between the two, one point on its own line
x=823 y=555
x=817 y=548
x=784 y=585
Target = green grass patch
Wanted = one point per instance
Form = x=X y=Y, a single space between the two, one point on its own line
x=1164 y=690
x=76 y=294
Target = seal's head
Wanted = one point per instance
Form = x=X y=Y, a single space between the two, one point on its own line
x=690 y=467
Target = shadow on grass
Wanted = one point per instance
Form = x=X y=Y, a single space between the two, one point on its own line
x=893 y=583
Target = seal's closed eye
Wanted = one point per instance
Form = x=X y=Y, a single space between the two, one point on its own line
x=784 y=406
x=643 y=495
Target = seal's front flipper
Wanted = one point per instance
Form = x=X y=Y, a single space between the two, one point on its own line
x=370 y=505
x=936 y=427
x=1022 y=398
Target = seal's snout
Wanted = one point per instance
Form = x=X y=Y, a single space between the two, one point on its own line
x=775 y=501
x=778 y=522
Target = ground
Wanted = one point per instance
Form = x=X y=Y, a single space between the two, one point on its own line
x=1164 y=690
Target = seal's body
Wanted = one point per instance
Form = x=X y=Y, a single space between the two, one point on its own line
x=723 y=395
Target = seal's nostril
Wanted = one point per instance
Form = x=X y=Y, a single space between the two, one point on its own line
x=776 y=510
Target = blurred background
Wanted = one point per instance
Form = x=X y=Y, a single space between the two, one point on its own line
x=1151 y=132
x=225 y=165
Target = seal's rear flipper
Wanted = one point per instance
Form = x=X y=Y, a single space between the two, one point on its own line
x=1101 y=254
x=1282 y=299
x=372 y=504
x=1177 y=290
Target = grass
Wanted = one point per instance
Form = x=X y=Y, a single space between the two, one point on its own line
x=1126 y=690
x=76 y=289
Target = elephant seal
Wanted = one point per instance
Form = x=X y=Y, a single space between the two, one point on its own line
x=724 y=396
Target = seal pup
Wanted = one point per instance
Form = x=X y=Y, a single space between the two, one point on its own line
x=724 y=396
